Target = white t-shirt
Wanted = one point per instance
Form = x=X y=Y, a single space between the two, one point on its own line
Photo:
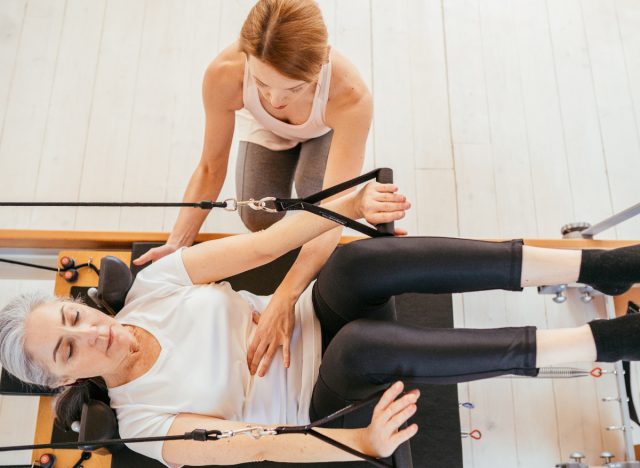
x=204 y=332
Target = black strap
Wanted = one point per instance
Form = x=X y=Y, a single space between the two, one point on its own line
x=204 y=435
x=48 y=268
x=205 y=204
x=384 y=175
x=309 y=429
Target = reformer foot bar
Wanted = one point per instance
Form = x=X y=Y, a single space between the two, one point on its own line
x=268 y=204
x=254 y=432
x=621 y=370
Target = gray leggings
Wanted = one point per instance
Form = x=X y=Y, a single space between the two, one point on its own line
x=261 y=172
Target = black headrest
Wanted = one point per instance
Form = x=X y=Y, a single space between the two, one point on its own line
x=114 y=282
x=98 y=422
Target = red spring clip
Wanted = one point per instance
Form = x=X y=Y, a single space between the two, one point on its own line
x=474 y=434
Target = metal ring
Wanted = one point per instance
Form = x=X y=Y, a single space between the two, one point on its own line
x=231 y=204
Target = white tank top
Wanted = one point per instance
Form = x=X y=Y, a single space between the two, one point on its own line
x=265 y=130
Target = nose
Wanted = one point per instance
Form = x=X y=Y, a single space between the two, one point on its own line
x=277 y=99
x=92 y=335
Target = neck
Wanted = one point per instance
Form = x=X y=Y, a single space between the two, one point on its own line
x=128 y=367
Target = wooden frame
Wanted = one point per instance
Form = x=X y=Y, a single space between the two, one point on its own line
x=37 y=239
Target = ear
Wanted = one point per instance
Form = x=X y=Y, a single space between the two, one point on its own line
x=64 y=381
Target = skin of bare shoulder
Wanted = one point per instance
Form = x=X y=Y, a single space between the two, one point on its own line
x=222 y=83
x=348 y=90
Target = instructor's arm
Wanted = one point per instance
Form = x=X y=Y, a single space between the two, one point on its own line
x=349 y=115
x=222 y=96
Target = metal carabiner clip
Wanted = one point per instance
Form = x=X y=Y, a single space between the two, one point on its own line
x=257 y=205
x=261 y=205
x=254 y=432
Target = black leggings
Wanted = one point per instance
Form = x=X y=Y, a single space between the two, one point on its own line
x=365 y=349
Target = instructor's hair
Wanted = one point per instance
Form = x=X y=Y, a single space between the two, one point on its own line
x=289 y=35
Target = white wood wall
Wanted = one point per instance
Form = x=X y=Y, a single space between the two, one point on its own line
x=500 y=118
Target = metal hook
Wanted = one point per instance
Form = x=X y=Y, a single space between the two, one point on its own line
x=254 y=432
x=259 y=205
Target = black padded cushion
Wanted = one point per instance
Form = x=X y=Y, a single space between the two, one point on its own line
x=10 y=385
x=115 y=281
x=98 y=422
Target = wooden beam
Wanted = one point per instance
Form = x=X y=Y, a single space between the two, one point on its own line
x=37 y=239
x=99 y=240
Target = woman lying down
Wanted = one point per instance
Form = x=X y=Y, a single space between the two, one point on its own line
x=175 y=357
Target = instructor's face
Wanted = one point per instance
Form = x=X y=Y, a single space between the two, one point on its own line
x=76 y=341
x=278 y=90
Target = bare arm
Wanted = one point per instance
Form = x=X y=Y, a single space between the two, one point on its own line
x=379 y=439
x=220 y=258
x=222 y=96
x=350 y=130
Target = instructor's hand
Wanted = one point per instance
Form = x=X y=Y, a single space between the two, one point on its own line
x=383 y=436
x=275 y=327
x=156 y=254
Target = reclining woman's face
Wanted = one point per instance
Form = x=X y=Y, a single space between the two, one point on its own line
x=76 y=341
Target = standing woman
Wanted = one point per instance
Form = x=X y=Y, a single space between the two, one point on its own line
x=309 y=115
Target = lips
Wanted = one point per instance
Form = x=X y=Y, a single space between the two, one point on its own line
x=110 y=339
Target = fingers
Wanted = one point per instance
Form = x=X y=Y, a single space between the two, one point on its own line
x=142 y=259
x=390 y=197
x=255 y=353
x=286 y=357
x=401 y=403
x=402 y=416
x=155 y=254
x=385 y=217
x=267 y=358
x=405 y=434
x=389 y=396
x=389 y=188
x=395 y=411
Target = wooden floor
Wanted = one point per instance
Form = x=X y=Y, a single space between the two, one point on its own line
x=500 y=118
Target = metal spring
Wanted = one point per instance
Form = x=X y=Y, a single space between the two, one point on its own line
x=562 y=372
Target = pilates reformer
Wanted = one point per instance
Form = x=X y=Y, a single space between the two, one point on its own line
x=262 y=204
x=115 y=279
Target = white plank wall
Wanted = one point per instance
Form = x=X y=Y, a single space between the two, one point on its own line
x=500 y=118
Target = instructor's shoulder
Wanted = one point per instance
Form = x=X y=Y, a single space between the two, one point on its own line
x=222 y=82
x=348 y=91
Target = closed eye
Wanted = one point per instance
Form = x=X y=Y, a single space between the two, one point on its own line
x=75 y=322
